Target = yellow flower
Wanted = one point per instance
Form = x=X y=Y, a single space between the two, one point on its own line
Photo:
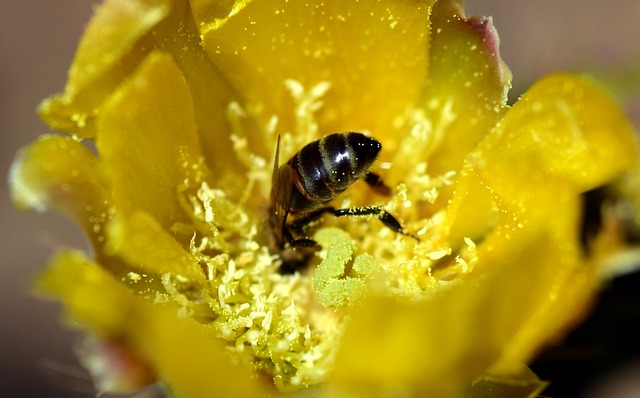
x=184 y=102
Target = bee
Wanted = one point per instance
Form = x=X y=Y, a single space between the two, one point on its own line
x=302 y=187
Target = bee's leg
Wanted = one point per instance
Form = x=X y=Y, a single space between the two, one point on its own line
x=295 y=255
x=299 y=224
x=377 y=185
x=305 y=242
x=385 y=217
x=299 y=242
x=297 y=227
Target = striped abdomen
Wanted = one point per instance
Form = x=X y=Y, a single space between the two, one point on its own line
x=325 y=168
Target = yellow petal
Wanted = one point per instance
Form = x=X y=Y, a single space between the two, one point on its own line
x=468 y=79
x=147 y=136
x=120 y=36
x=103 y=58
x=564 y=137
x=465 y=95
x=551 y=286
x=473 y=211
x=437 y=347
x=373 y=54
x=564 y=129
x=60 y=173
x=150 y=250
x=212 y=94
x=183 y=352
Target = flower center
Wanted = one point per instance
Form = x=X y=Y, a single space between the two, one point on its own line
x=287 y=325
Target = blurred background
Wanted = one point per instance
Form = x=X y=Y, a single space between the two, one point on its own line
x=37 y=42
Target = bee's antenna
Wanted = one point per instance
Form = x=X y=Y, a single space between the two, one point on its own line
x=276 y=161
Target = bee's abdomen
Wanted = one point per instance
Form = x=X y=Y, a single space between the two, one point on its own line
x=330 y=165
x=312 y=173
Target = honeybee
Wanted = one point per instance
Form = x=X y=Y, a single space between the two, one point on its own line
x=302 y=187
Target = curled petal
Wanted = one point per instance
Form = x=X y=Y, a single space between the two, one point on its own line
x=564 y=137
x=563 y=129
x=120 y=36
x=147 y=136
x=60 y=173
x=464 y=97
x=103 y=58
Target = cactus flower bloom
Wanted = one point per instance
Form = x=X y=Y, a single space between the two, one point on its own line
x=172 y=112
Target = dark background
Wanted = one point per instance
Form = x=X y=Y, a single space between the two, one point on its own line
x=37 y=42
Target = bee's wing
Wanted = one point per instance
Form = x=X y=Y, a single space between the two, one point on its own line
x=281 y=192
